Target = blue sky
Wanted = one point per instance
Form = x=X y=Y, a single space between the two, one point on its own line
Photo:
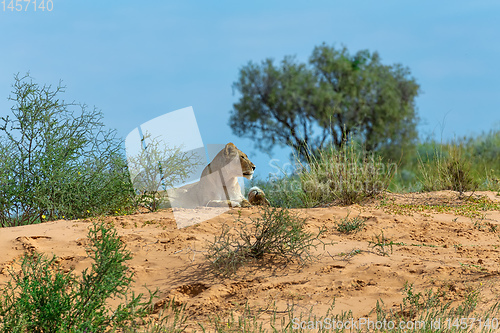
x=137 y=60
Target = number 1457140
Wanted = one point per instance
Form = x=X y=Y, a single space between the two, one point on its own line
x=27 y=5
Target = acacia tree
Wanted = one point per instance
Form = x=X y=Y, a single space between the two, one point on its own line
x=333 y=99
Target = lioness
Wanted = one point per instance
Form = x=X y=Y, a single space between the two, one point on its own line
x=218 y=185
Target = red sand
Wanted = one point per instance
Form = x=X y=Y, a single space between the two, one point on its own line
x=172 y=260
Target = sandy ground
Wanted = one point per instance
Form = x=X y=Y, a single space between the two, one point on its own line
x=464 y=255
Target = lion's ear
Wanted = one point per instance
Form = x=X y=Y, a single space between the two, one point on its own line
x=230 y=149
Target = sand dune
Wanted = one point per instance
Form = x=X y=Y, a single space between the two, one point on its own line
x=451 y=248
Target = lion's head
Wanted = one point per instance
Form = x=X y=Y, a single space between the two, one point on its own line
x=233 y=161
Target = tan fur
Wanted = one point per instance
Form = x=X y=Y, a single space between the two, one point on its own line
x=257 y=197
x=218 y=185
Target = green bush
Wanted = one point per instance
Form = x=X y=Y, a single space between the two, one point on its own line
x=348 y=175
x=285 y=191
x=450 y=169
x=57 y=162
x=484 y=153
x=42 y=297
x=458 y=172
x=157 y=168
x=462 y=164
x=350 y=225
x=277 y=235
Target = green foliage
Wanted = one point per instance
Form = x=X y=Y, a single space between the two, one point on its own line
x=56 y=162
x=381 y=244
x=344 y=96
x=42 y=300
x=159 y=167
x=171 y=319
x=463 y=164
x=485 y=147
x=42 y=297
x=247 y=322
x=458 y=172
x=347 y=175
x=350 y=174
x=277 y=235
x=483 y=153
x=283 y=191
x=452 y=171
x=424 y=311
x=428 y=312
x=468 y=206
x=350 y=225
